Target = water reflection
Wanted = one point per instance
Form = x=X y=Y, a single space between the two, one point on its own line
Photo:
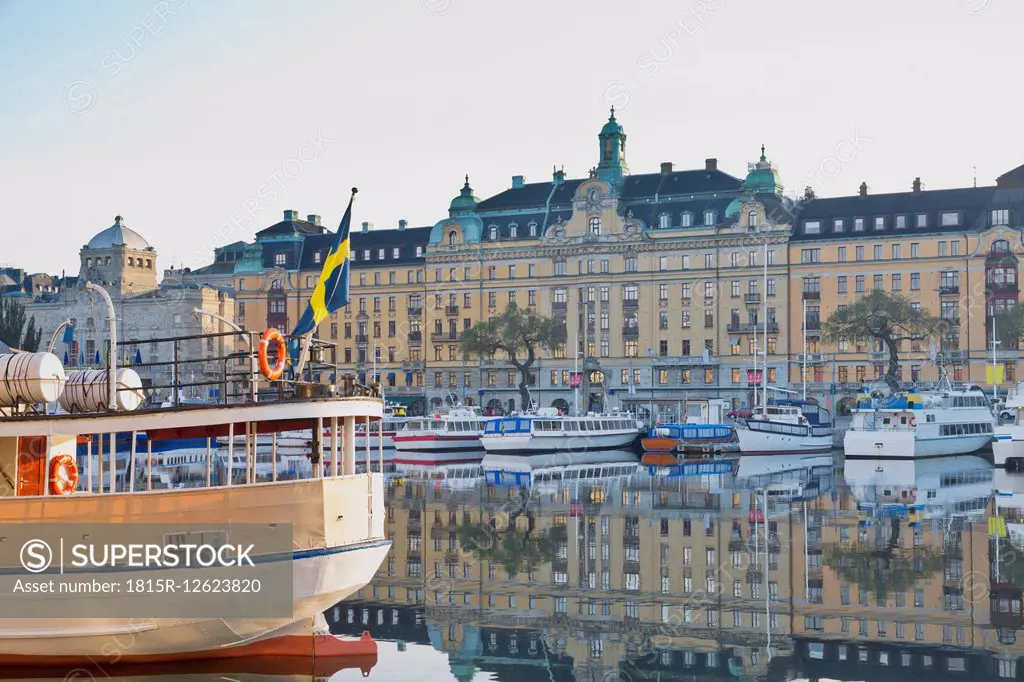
x=781 y=568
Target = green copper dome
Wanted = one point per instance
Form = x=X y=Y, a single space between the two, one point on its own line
x=465 y=202
x=612 y=127
x=762 y=178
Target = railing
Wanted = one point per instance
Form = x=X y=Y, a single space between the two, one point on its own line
x=753 y=327
x=451 y=310
x=752 y=298
x=949 y=290
x=686 y=360
x=1001 y=286
x=630 y=303
x=630 y=332
x=415 y=337
x=812 y=295
x=415 y=311
x=362 y=338
x=558 y=306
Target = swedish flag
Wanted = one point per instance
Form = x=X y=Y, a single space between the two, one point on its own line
x=331 y=290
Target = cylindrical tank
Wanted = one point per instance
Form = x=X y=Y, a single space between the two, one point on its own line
x=87 y=391
x=30 y=378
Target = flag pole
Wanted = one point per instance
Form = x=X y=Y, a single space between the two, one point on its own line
x=307 y=340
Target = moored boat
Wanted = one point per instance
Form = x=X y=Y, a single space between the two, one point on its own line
x=546 y=431
x=703 y=431
x=786 y=427
x=448 y=437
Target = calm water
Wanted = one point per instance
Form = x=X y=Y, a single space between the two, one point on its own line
x=788 y=568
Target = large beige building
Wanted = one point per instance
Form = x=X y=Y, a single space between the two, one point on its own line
x=659 y=279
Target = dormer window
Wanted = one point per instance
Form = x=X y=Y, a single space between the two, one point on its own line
x=380 y=254
x=513 y=230
x=280 y=258
x=950 y=218
x=663 y=221
x=493 y=233
x=366 y=254
x=595 y=225
x=1001 y=246
x=709 y=217
x=317 y=257
x=858 y=224
x=901 y=222
x=999 y=216
x=533 y=229
x=812 y=227
x=396 y=253
x=879 y=222
x=752 y=219
x=419 y=251
x=838 y=225
x=687 y=219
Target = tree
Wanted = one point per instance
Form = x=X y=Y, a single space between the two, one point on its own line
x=520 y=334
x=33 y=337
x=1010 y=327
x=887 y=318
x=515 y=549
x=12 y=321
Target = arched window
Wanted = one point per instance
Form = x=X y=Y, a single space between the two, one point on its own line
x=131 y=262
x=752 y=219
x=513 y=230
x=709 y=217
x=1000 y=246
x=687 y=219
x=494 y=233
x=663 y=220
x=276 y=285
x=149 y=264
x=453 y=238
x=595 y=225
x=533 y=229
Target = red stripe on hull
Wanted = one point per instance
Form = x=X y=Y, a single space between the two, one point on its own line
x=317 y=655
x=434 y=462
x=439 y=439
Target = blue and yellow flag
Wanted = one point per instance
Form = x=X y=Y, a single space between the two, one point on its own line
x=331 y=290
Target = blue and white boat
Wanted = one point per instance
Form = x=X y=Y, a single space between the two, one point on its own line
x=703 y=431
x=786 y=427
x=547 y=431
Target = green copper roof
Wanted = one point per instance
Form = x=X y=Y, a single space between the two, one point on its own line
x=762 y=177
x=612 y=127
x=465 y=201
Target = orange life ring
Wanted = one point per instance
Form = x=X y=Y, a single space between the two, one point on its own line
x=272 y=336
x=63 y=475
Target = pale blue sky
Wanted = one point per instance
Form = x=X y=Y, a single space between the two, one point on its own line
x=178 y=129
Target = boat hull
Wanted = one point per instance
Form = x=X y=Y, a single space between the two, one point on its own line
x=531 y=444
x=1008 y=448
x=905 y=445
x=338 y=547
x=762 y=443
x=440 y=449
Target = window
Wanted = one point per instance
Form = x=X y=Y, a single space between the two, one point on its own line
x=709 y=261
x=858 y=224
x=812 y=227
x=901 y=222
x=841 y=255
x=752 y=220
x=709 y=217
x=663 y=220
x=879 y=222
x=594 y=225
x=838 y=225
x=810 y=256
x=915 y=281
x=662 y=263
x=687 y=219
x=949 y=218
x=913 y=250
x=896 y=251
x=513 y=230
x=897 y=281
x=631 y=263
x=841 y=284
x=954 y=248
x=280 y=258
x=859 y=284
x=859 y=251
x=942 y=248
x=999 y=216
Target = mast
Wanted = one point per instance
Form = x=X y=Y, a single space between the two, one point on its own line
x=995 y=386
x=764 y=311
x=804 y=372
x=577 y=376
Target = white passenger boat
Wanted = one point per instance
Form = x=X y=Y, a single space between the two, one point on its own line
x=334 y=523
x=913 y=425
x=786 y=427
x=448 y=437
x=547 y=431
x=1008 y=442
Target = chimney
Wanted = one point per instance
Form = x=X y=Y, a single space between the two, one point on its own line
x=711 y=164
x=557 y=176
x=863 y=189
x=367 y=227
x=808 y=193
x=666 y=167
x=402 y=224
x=518 y=181
x=917 y=184
x=313 y=218
x=291 y=215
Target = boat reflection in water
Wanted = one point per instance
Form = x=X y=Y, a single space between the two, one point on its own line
x=784 y=569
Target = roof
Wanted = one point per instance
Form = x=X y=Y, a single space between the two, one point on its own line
x=118 y=234
x=291 y=225
x=969 y=204
x=405 y=241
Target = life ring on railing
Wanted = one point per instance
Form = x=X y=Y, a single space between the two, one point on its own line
x=272 y=336
x=912 y=422
x=63 y=475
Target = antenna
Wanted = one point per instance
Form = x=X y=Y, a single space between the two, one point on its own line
x=975 y=176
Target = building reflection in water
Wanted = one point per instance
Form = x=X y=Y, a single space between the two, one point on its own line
x=787 y=568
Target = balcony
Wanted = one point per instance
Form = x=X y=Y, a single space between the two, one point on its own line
x=631 y=332
x=812 y=358
x=880 y=356
x=812 y=295
x=752 y=327
x=631 y=303
x=1001 y=287
x=813 y=324
x=752 y=298
x=415 y=337
x=558 y=307
x=685 y=361
x=413 y=365
x=415 y=311
x=949 y=290
x=952 y=356
x=451 y=310
x=362 y=339
x=444 y=336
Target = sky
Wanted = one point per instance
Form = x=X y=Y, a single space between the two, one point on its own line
x=201 y=122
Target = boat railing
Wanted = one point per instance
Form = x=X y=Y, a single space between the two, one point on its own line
x=206 y=367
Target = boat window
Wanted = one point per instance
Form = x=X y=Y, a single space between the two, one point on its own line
x=436 y=424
